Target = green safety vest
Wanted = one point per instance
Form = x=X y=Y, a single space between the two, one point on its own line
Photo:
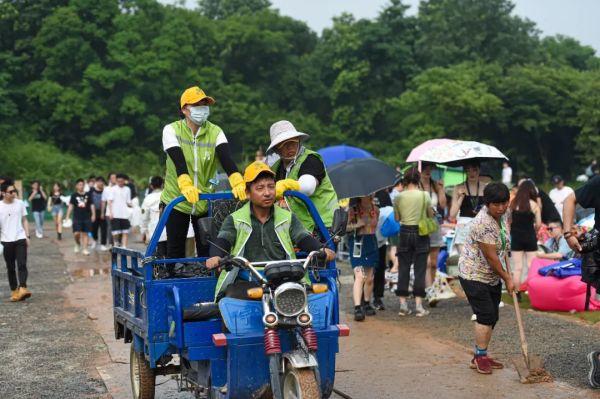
x=324 y=197
x=243 y=227
x=201 y=162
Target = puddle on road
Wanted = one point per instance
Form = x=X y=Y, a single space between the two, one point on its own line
x=90 y=272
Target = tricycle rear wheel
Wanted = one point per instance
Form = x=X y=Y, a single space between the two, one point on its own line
x=143 y=378
x=300 y=384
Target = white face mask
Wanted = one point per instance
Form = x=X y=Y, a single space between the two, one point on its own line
x=199 y=114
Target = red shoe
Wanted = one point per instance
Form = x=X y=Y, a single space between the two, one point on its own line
x=481 y=364
x=495 y=364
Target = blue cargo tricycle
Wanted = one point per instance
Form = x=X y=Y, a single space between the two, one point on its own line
x=280 y=342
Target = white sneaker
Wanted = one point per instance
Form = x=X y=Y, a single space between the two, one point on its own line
x=420 y=311
x=501 y=304
x=103 y=248
x=86 y=252
x=474 y=317
x=404 y=310
x=38 y=235
x=92 y=244
x=76 y=248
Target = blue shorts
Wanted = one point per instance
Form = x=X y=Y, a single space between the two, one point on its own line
x=369 y=254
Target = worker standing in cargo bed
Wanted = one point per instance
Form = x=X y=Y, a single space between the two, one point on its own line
x=193 y=146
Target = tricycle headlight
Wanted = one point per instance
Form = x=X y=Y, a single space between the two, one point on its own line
x=290 y=299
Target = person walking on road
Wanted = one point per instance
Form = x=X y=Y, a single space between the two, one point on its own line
x=37 y=199
x=84 y=214
x=194 y=147
x=151 y=208
x=99 y=228
x=363 y=217
x=480 y=271
x=412 y=247
x=55 y=206
x=303 y=170
x=14 y=236
x=119 y=203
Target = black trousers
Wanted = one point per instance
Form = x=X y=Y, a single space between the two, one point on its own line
x=177 y=228
x=100 y=224
x=379 y=281
x=16 y=252
x=412 y=249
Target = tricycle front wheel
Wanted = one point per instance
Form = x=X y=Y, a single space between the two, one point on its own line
x=142 y=376
x=300 y=384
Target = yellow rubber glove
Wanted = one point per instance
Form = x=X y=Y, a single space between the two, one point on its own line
x=238 y=187
x=186 y=186
x=284 y=185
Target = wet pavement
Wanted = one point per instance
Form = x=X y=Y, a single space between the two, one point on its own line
x=385 y=356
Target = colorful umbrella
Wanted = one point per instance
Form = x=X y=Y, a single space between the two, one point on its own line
x=417 y=152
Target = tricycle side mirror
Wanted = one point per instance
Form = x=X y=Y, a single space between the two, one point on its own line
x=340 y=221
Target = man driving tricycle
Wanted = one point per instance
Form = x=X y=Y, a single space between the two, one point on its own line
x=259 y=231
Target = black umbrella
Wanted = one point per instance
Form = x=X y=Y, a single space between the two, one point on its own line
x=360 y=177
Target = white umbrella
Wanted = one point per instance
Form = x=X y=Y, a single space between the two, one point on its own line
x=457 y=152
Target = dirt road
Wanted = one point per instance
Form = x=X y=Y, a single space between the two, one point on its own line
x=385 y=357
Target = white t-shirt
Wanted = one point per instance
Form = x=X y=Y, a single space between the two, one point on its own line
x=11 y=224
x=507 y=175
x=105 y=196
x=169 y=138
x=559 y=196
x=121 y=198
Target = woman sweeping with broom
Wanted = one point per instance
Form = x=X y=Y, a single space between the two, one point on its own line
x=481 y=271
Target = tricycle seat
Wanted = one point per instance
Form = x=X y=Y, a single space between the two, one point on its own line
x=201 y=312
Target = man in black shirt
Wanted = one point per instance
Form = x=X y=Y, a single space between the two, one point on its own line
x=84 y=214
x=587 y=196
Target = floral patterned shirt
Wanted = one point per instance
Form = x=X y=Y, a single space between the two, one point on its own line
x=472 y=264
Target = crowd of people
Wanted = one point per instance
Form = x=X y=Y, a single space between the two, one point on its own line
x=486 y=224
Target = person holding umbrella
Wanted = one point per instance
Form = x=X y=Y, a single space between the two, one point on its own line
x=467 y=201
x=303 y=170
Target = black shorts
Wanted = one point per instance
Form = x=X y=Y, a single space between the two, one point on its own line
x=484 y=300
x=523 y=242
x=82 y=226
x=119 y=226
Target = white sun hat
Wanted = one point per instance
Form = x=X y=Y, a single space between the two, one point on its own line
x=281 y=131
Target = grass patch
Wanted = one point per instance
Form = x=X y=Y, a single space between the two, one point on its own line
x=591 y=316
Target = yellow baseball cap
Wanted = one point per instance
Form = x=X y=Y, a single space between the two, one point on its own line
x=254 y=169
x=193 y=95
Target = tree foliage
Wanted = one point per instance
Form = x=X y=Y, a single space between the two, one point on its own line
x=89 y=84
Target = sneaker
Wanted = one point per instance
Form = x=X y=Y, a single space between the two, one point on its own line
x=501 y=304
x=24 y=293
x=76 y=248
x=481 y=364
x=86 y=252
x=92 y=244
x=369 y=310
x=404 y=310
x=103 y=248
x=378 y=304
x=359 y=313
x=594 y=374
x=474 y=317
x=420 y=311
x=39 y=235
x=14 y=296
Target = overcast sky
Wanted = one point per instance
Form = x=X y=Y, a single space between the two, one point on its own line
x=576 y=18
